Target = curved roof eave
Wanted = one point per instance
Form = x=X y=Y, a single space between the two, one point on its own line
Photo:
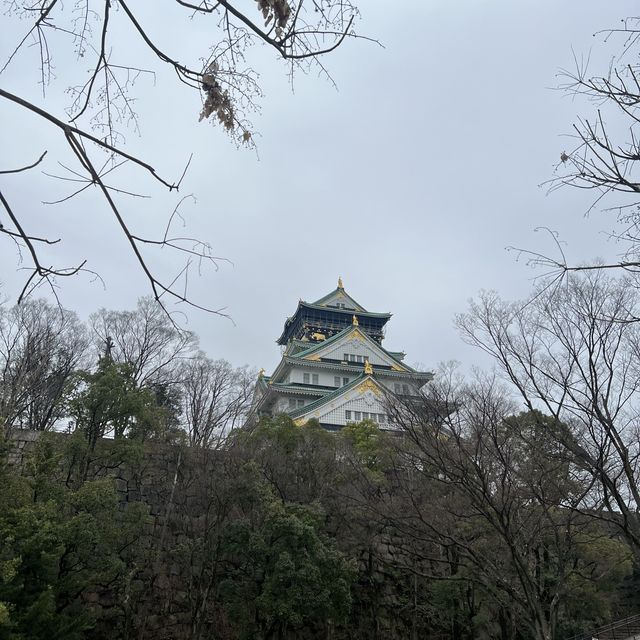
x=340 y=290
x=316 y=307
x=350 y=368
x=348 y=312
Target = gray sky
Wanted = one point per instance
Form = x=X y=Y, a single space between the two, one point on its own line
x=409 y=181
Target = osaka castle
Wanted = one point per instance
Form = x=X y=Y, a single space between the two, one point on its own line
x=334 y=368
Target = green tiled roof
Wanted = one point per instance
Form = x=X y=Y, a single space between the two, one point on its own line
x=358 y=307
x=295 y=346
x=353 y=367
x=349 y=312
x=293 y=388
x=263 y=381
x=350 y=369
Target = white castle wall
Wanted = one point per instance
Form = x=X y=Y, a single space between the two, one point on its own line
x=325 y=378
x=356 y=347
x=337 y=415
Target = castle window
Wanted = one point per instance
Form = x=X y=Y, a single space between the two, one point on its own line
x=358 y=416
x=345 y=381
x=305 y=378
x=405 y=389
x=336 y=381
x=300 y=402
x=314 y=378
x=347 y=415
x=397 y=388
x=352 y=357
x=292 y=403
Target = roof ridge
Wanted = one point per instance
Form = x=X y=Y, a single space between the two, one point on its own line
x=319 y=345
x=342 y=291
x=349 y=311
x=349 y=367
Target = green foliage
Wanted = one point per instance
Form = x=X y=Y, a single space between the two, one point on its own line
x=538 y=454
x=283 y=571
x=57 y=542
x=167 y=399
x=370 y=445
x=284 y=435
x=298 y=461
x=602 y=563
x=109 y=401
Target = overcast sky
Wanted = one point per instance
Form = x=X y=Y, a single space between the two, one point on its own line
x=409 y=180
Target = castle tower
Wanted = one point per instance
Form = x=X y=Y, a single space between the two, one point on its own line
x=334 y=368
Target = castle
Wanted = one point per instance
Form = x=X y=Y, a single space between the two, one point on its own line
x=334 y=368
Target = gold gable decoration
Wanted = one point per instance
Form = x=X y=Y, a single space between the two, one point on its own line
x=368 y=369
x=369 y=385
x=354 y=321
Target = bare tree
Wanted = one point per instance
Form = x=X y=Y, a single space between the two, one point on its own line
x=145 y=339
x=605 y=146
x=40 y=348
x=496 y=495
x=572 y=351
x=216 y=398
x=101 y=100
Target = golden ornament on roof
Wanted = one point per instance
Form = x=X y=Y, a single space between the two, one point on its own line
x=340 y=285
x=260 y=373
x=354 y=321
x=368 y=369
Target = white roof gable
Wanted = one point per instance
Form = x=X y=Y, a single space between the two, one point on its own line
x=340 y=298
x=366 y=398
x=355 y=342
